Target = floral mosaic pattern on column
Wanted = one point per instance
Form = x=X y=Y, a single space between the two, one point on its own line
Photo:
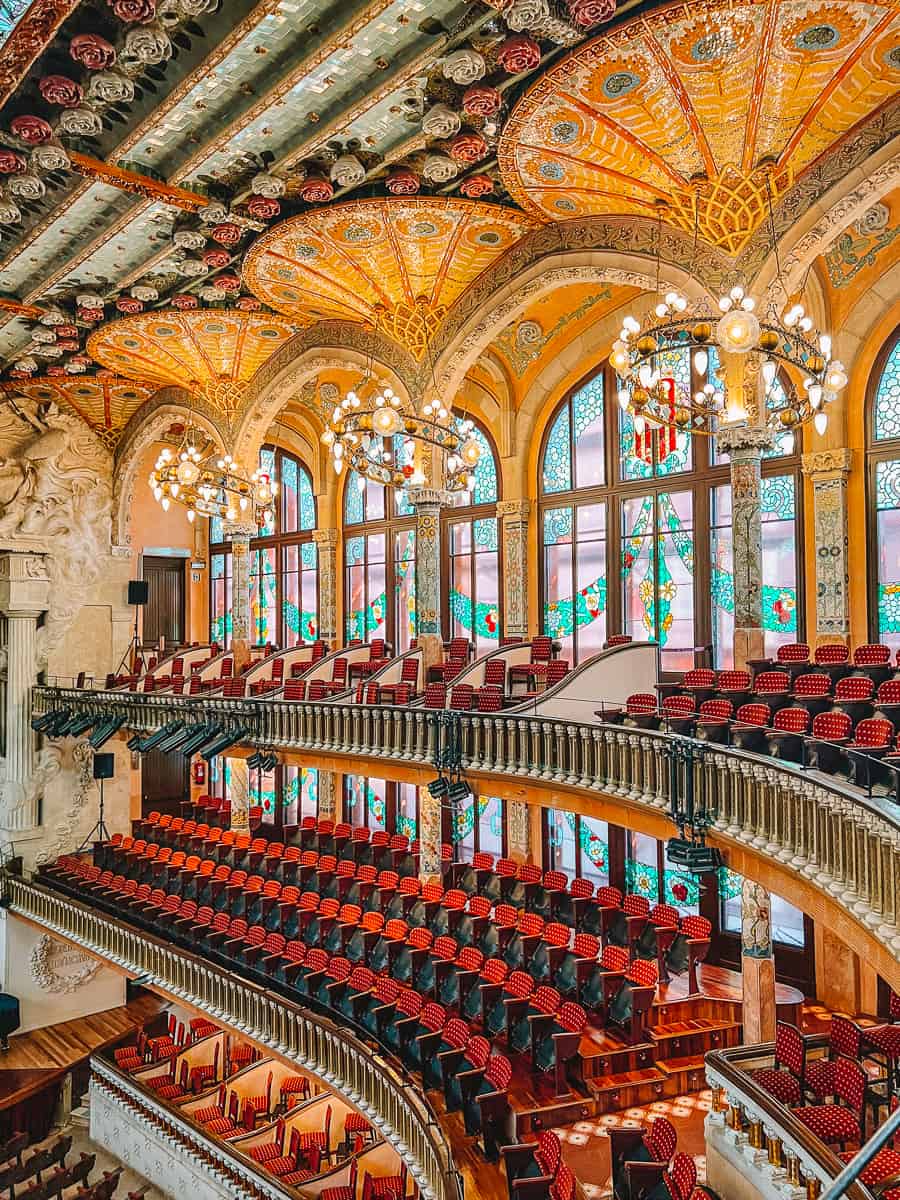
x=514 y=517
x=829 y=470
x=745 y=447
x=326 y=545
x=428 y=503
x=756 y=920
x=429 y=836
x=239 y=535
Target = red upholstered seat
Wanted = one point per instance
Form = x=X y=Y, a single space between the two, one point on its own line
x=784 y=1080
x=831 y=655
x=640 y=703
x=885 y=1165
x=832 y=726
x=793 y=652
x=841 y=1122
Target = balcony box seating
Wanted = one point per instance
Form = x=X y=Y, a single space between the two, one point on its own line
x=597 y=916
x=555 y=1039
x=873 y=660
x=658 y=935
x=474 y=1056
x=556 y=671
x=571 y=966
x=830 y=731
x=871 y=739
x=375 y=1011
x=748 y=731
x=641 y=710
x=456 y=658
x=409 y=677
x=690 y=947
x=853 y=695
x=627 y=923
x=734 y=686
x=784 y=1079
x=841 y=1122
x=834 y=659
x=640 y=1156
x=628 y=1008
x=812 y=691
x=531 y=1169
x=699 y=683
x=617 y=639
x=485 y=1102
x=604 y=978
x=713 y=719
x=785 y=738
x=378 y=658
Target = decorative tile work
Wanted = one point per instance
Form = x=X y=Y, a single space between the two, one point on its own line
x=860 y=245
x=829 y=470
x=524 y=343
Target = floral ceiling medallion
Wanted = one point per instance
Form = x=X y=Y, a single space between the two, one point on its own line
x=712 y=112
x=397 y=263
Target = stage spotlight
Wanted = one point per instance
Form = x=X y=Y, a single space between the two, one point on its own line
x=104 y=732
x=458 y=793
x=154 y=740
x=438 y=788
x=223 y=742
x=696 y=856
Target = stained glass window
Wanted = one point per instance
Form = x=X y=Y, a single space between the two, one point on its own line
x=575 y=588
x=475 y=582
x=263 y=596
x=669 y=450
x=787 y=921
x=365 y=595
x=650 y=873
x=485 y=490
x=887 y=398
x=658 y=574
x=574 y=451
x=363 y=500
x=404 y=588
x=477 y=825
x=220 y=600
x=404 y=452
x=267 y=466
x=578 y=845
x=887 y=517
x=779 y=551
x=299 y=593
x=557 y=475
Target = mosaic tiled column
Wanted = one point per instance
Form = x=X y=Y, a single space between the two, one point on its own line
x=24 y=595
x=745 y=446
x=239 y=792
x=326 y=795
x=829 y=471
x=514 y=518
x=429 y=836
x=326 y=549
x=518 y=830
x=757 y=963
x=428 y=503
x=239 y=535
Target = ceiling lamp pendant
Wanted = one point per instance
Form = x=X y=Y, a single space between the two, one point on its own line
x=208 y=484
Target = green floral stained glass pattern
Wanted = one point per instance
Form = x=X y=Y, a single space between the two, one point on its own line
x=404 y=450
x=464 y=820
x=679 y=887
x=887 y=398
x=777 y=499
x=887 y=484
x=307 y=500
x=887 y=503
x=353 y=500
x=486 y=471
x=587 y=406
x=557 y=455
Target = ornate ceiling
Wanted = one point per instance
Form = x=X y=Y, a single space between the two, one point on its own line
x=398 y=263
x=197 y=166
x=213 y=354
x=104 y=401
x=696 y=111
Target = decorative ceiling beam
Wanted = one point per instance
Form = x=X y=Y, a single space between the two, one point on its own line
x=136 y=184
x=29 y=311
x=33 y=33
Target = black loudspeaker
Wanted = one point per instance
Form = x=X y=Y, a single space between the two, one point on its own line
x=138 y=592
x=104 y=766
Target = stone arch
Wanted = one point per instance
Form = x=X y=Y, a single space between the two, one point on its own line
x=146 y=427
x=810 y=234
x=300 y=362
x=477 y=330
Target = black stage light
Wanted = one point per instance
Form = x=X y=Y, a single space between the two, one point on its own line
x=438 y=788
x=151 y=741
x=81 y=724
x=458 y=793
x=199 y=736
x=223 y=742
x=102 y=734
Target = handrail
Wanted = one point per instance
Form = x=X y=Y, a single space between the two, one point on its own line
x=855 y=1167
x=755 y=1119
x=839 y=839
x=345 y=1063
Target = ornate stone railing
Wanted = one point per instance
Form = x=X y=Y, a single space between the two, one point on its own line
x=841 y=841
x=753 y=1139
x=345 y=1063
x=166 y=1149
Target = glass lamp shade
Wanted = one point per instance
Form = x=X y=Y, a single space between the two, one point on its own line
x=188 y=472
x=386 y=421
x=470 y=452
x=738 y=331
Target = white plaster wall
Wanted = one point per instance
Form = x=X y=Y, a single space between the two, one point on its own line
x=37 y=1007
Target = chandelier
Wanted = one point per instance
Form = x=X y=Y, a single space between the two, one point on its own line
x=211 y=484
x=645 y=352
x=377 y=437
x=642 y=358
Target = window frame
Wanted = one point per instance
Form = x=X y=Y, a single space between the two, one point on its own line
x=702 y=476
x=877 y=451
x=278 y=542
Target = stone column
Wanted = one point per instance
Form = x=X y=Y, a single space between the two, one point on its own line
x=514 y=518
x=518 y=830
x=326 y=550
x=757 y=964
x=24 y=595
x=829 y=471
x=429 y=836
x=326 y=795
x=239 y=534
x=745 y=445
x=428 y=503
x=240 y=795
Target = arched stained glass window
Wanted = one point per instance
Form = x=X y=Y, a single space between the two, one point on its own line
x=472 y=548
x=283 y=562
x=884 y=496
x=619 y=517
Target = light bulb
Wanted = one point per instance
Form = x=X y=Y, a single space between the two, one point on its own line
x=825 y=343
x=724 y=303
x=220 y=464
x=661 y=310
x=243 y=503
x=619 y=360
x=748 y=304
x=338 y=464
x=836 y=376
x=806 y=324
x=671 y=298
x=157 y=493
x=815 y=395
x=360 y=483
x=190 y=515
x=769 y=371
x=788 y=443
x=737 y=331
x=230 y=514
x=680 y=303
x=701 y=361
x=623 y=399
x=328 y=437
x=338 y=449
x=736 y=293
x=645 y=374
x=165 y=503
x=631 y=324
x=470 y=452
x=639 y=425
x=820 y=420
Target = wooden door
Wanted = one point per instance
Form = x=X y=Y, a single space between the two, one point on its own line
x=164 y=611
x=165 y=783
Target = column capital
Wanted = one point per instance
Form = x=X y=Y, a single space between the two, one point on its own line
x=828 y=462
x=514 y=508
x=744 y=442
x=234 y=530
x=24 y=584
x=425 y=497
x=325 y=537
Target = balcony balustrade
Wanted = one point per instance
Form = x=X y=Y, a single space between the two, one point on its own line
x=842 y=841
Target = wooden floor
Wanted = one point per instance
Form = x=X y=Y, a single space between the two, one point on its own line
x=71 y=1042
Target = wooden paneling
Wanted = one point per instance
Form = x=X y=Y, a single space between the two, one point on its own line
x=165 y=782
x=164 y=612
